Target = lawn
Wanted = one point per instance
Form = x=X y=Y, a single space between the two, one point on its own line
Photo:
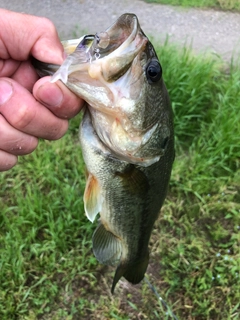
x=47 y=269
x=233 y=5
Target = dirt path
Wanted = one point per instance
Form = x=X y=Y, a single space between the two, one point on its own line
x=218 y=32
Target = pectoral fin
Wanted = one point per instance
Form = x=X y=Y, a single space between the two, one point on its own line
x=107 y=247
x=92 y=198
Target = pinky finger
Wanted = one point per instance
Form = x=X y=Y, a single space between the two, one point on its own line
x=7 y=160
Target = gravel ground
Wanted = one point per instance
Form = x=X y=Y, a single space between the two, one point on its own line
x=214 y=31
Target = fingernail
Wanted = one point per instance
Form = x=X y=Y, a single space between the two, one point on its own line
x=6 y=90
x=50 y=94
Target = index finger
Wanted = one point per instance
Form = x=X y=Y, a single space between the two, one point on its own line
x=22 y=35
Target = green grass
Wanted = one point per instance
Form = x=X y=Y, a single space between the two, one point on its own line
x=47 y=269
x=215 y=4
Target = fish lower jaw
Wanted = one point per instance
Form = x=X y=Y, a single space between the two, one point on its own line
x=141 y=161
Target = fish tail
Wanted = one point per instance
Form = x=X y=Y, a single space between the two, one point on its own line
x=133 y=273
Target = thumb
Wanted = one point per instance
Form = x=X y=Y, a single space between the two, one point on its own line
x=6 y=91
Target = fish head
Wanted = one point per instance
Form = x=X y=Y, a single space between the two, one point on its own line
x=96 y=63
x=118 y=74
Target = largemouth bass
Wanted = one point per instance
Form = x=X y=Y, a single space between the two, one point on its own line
x=126 y=136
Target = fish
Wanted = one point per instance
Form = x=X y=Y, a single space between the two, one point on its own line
x=126 y=136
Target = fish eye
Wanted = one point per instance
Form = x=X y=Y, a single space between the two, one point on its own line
x=153 y=71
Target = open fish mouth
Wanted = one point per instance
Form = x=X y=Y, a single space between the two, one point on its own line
x=106 y=54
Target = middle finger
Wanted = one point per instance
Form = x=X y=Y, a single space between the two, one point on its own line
x=14 y=141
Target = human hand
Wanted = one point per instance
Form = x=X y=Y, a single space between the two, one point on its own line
x=30 y=108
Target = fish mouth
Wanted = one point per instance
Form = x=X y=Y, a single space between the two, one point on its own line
x=117 y=47
x=105 y=56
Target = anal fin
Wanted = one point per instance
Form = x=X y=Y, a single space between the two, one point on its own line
x=107 y=248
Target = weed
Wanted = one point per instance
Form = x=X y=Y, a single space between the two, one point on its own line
x=216 y=4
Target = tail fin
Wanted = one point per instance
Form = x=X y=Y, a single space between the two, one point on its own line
x=133 y=272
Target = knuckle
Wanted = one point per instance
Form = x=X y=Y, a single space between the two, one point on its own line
x=28 y=145
x=15 y=142
x=59 y=131
x=7 y=161
x=23 y=146
x=47 y=25
x=22 y=117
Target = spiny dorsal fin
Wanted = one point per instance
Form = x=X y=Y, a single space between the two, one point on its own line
x=106 y=247
x=92 y=198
